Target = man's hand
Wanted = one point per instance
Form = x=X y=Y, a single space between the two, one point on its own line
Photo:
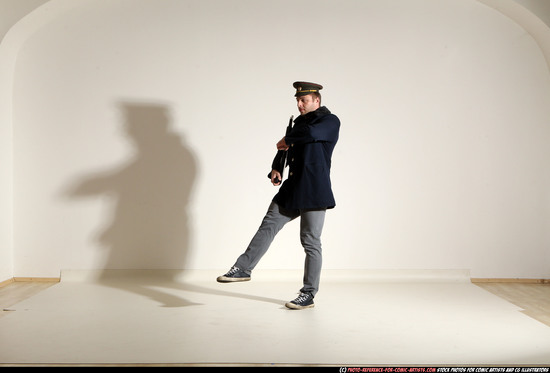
x=281 y=145
x=275 y=177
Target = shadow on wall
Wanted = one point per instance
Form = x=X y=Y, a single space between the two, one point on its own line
x=149 y=194
x=149 y=197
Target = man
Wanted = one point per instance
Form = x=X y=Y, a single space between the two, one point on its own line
x=306 y=193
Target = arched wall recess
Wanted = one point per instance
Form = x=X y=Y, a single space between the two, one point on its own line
x=531 y=22
x=14 y=48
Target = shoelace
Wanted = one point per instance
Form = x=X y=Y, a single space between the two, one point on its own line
x=233 y=270
x=302 y=297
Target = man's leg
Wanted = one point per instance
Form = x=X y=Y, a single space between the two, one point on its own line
x=272 y=223
x=311 y=227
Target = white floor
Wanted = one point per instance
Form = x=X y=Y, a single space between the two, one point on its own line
x=358 y=320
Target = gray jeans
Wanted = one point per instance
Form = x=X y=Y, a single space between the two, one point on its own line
x=311 y=226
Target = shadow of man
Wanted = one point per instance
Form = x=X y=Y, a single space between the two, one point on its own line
x=149 y=195
x=149 y=226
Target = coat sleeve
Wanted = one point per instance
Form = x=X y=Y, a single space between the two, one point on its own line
x=325 y=130
x=278 y=163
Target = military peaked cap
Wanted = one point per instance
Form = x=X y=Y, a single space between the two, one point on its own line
x=306 y=88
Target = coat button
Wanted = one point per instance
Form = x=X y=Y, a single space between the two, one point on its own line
x=290 y=174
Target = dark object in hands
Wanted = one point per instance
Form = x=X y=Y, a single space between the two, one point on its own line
x=279 y=162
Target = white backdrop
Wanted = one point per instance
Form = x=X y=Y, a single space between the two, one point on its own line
x=144 y=131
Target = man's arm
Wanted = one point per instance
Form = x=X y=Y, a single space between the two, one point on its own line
x=281 y=145
x=277 y=168
x=325 y=130
x=276 y=177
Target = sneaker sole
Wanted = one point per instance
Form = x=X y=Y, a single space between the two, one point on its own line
x=293 y=306
x=232 y=279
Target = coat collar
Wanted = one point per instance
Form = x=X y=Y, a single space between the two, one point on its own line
x=312 y=115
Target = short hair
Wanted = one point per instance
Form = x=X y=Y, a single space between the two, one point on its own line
x=317 y=95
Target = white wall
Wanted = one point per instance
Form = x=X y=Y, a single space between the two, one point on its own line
x=6 y=163
x=144 y=130
x=11 y=11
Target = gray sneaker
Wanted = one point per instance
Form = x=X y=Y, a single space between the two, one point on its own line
x=304 y=300
x=234 y=275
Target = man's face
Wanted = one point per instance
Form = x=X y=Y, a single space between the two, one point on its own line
x=307 y=103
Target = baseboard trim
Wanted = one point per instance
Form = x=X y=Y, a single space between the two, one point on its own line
x=473 y=280
x=36 y=279
x=29 y=279
x=511 y=280
x=6 y=282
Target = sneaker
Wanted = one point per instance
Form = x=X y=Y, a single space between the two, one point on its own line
x=304 y=300
x=234 y=275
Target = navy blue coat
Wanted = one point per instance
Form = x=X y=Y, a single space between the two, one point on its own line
x=311 y=143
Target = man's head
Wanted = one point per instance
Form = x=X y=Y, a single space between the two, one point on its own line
x=307 y=96
x=308 y=103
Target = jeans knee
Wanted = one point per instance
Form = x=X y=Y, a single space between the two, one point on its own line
x=311 y=245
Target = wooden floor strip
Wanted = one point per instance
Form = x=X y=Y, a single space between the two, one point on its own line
x=511 y=280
